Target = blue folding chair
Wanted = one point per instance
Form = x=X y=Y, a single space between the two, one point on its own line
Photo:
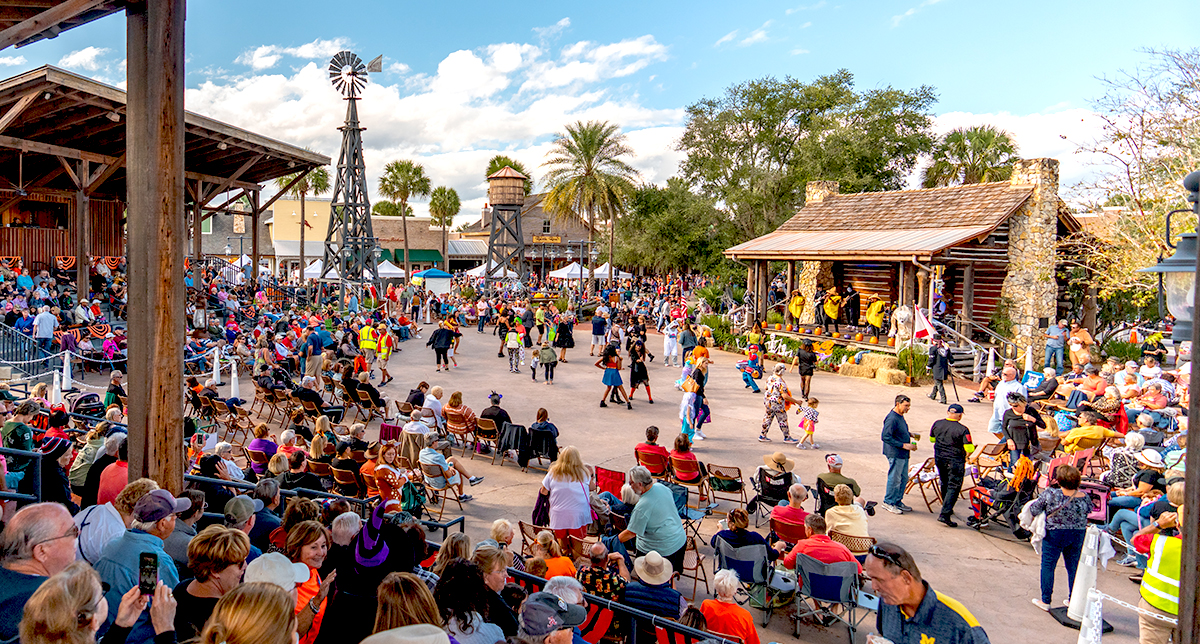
x=828 y=586
x=753 y=567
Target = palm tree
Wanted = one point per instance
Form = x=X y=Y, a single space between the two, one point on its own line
x=315 y=182
x=499 y=161
x=971 y=155
x=401 y=180
x=444 y=204
x=587 y=174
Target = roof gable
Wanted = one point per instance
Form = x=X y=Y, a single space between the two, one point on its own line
x=983 y=204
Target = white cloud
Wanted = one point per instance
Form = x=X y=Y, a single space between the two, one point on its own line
x=12 y=60
x=896 y=20
x=797 y=51
x=726 y=38
x=812 y=7
x=267 y=56
x=806 y=25
x=547 y=33
x=398 y=68
x=756 y=36
x=506 y=98
x=1055 y=133
x=85 y=59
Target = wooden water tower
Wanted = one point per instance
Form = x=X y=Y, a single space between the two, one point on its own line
x=506 y=242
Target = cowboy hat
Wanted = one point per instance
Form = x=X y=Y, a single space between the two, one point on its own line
x=779 y=462
x=1149 y=458
x=653 y=569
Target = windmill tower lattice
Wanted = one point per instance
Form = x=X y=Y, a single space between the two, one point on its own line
x=350 y=243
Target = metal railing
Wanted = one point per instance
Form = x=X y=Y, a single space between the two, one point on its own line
x=16 y=347
x=34 y=471
x=1005 y=347
x=631 y=617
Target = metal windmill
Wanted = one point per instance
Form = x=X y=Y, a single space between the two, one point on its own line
x=350 y=245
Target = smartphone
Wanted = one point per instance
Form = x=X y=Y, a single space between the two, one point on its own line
x=148 y=573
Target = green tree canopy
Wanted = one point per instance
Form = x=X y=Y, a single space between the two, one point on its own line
x=444 y=204
x=315 y=182
x=402 y=180
x=499 y=161
x=754 y=148
x=673 y=229
x=976 y=154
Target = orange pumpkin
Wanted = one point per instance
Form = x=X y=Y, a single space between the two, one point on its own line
x=836 y=334
x=858 y=337
x=874 y=340
x=778 y=327
x=891 y=342
x=707 y=333
x=789 y=328
x=817 y=331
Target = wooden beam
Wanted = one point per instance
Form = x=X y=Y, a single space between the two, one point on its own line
x=103 y=173
x=283 y=191
x=197 y=226
x=155 y=188
x=254 y=210
x=222 y=187
x=45 y=20
x=83 y=230
x=70 y=173
x=222 y=207
x=197 y=176
x=16 y=110
x=47 y=178
x=25 y=145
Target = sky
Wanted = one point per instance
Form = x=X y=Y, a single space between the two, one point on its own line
x=466 y=80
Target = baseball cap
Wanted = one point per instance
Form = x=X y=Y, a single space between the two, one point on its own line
x=157 y=505
x=955 y=408
x=543 y=614
x=274 y=568
x=1131 y=363
x=834 y=460
x=239 y=509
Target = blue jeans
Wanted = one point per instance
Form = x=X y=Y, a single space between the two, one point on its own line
x=897 y=478
x=1065 y=543
x=615 y=504
x=1053 y=354
x=1126 y=521
x=1128 y=502
x=45 y=343
x=482 y=320
x=1160 y=421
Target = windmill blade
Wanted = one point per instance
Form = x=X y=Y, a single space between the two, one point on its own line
x=376 y=64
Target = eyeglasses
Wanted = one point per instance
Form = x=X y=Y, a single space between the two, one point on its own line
x=73 y=533
x=880 y=553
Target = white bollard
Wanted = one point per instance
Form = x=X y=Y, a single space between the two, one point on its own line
x=56 y=391
x=234 y=390
x=67 y=384
x=216 y=372
x=1091 y=627
x=1028 y=358
x=991 y=361
x=1085 y=575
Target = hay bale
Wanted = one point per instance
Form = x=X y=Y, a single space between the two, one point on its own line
x=856 y=370
x=880 y=361
x=891 y=376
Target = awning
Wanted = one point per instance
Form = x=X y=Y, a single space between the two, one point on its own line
x=885 y=245
x=467 y=248
x=291 y=247
x=423 y=255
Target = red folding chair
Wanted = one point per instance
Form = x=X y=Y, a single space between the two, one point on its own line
x=610 y=481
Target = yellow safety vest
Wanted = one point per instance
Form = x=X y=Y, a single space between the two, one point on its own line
x=366 y=338
x=1160 y=584
x=386 y=344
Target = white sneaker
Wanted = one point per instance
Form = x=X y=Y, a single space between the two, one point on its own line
x=700 y=435
x=1040 y=604
x=697 y=437
x=894 y=510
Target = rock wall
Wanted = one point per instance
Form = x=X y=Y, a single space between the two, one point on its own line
x=1032 y=254
x=811 y=277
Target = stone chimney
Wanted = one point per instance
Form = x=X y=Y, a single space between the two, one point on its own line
x=1030 y=290
x=816 y=191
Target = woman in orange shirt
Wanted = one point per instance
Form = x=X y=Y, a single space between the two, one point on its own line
x=723 y=615
x=548 y=549
x=308 y=543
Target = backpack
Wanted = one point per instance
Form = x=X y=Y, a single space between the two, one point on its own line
x=412 y=499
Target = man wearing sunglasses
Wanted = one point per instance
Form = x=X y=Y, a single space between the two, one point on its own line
x=37 y=543
x=911 y=612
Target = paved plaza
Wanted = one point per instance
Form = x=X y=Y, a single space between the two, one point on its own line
x=993 y=575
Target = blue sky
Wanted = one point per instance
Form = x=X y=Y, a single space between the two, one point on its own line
x=464 y=80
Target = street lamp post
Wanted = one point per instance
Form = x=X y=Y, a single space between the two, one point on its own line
x=1180 y=285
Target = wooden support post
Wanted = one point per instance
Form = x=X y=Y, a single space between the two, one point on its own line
x=902 y=279
x=968 y=299
x=764 y=279
x=254 y=237
x=83 y=233
x=791 y=286
x=155 y=192
x=197 y=221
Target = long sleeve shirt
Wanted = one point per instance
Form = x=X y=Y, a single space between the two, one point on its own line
x=895 y=435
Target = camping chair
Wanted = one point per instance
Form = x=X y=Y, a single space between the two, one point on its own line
x=693 y=563
x=487 y=434
x=787 y=531
x=659 y=465
x=366 y=404
x=433 y=471
x=754 y=570
x=726 y=479
x=347 y=482
x=858 y=546
x=771 y=488
x=683 y=467
x=529 y=536
x=828 y=586
x=824 y=496
x=610 y=481
x=925 y=477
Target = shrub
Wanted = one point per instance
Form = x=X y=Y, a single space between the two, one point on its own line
x=562 y=303
x=774 y=317
x=913 y=360
x=1125 y=351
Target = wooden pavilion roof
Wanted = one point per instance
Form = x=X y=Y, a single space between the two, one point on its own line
x=50 y=119
x=27 y=21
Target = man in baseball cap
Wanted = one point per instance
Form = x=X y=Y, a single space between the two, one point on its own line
x=951 y=444
x=275 y=568
x=240 y=514
x=547 y=619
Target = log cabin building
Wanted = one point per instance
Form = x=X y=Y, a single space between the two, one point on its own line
x=986 y=243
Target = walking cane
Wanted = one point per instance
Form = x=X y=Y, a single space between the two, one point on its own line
x=953 y=384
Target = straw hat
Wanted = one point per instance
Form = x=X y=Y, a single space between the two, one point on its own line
x=1149 y=458
x=653 y=569
x=779 y=462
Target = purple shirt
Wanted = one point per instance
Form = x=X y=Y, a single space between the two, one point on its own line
x=266 y=446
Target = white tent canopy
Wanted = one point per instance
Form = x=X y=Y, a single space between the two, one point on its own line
x=605 y=269
x=314 y=271
x=572 y=271
x=244 y=260
x=482 y=269
x=389 y=270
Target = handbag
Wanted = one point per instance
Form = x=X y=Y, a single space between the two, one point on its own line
x=690 y=385
x=541 y=510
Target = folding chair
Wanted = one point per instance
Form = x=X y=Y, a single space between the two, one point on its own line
x=360 y=456
x=757 y=576
x=260 y=399
x=433 y=471
x=788 y=532
x=529 y=536
x=351 y=401
x=659 y=465
x=693 y=562
x=858 y=546
x=824 y=496
x=347 y=482
x=579 y=547
x=457 y=427
x=329 y=386
x=726 y=479
x=1049 y=445
x=405 y=409
x=828 y=586
x=257 y=456
x=987 y=460
x=610 y=481
x=683 y=467
x=367 y=404
x=925 y=477
x=487 y=434
x=771 y=490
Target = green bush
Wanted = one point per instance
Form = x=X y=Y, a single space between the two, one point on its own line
x=713 y=292
x=774 y=317
x=1124 y=351
x=562 y=303
x=913 y=360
